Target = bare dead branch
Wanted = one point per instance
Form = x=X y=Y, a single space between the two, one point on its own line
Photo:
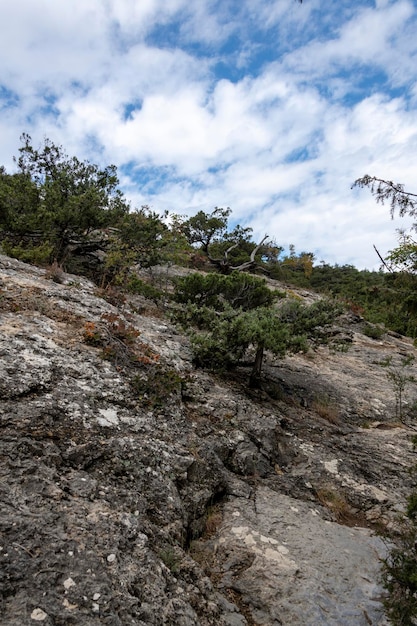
x=230 y=249
x=255 y=250
x=382 y=260
x=226 y=268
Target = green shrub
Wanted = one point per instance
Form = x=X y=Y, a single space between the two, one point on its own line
x=234 y=314
x=399 y=376
x=237 y=290
x=170 y=558
x=137 y=286
x=201 y=317
x=373 y=331
x=39 y=254
x=212 y=352
x=399 y=576
x=157 y=386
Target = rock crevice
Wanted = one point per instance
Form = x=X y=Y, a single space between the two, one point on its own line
x=180 y=497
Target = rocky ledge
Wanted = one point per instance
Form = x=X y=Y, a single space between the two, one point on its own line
x=137 y=490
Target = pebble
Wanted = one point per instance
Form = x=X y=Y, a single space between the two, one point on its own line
x=68 y=583
x=38 y=615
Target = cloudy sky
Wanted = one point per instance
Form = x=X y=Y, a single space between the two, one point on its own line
x=270 y=107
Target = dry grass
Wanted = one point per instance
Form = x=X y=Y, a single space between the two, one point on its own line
x=55 y=272
x=204 y=555
x=326 y=408
x=20 y=300
x=200 y=549
x=213 y=520
x=333 y=500
x=344 y=513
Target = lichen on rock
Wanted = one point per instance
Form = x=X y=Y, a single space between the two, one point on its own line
x=139 y=490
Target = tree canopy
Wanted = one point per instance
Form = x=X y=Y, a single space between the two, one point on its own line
x=236 y=314
x=57 y=208
x=227 y=250
x=54 y=199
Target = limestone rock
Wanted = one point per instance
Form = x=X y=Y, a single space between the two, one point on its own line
x=170 y=496
x=289 y=566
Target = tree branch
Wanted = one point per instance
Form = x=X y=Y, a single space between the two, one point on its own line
x=384 y=190
x=382 y=260
x=224 y=264
x=255 y=250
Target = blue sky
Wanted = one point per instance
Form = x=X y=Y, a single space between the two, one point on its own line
x=272 y=108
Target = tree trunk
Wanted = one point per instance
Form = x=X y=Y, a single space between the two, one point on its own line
x=255 y=377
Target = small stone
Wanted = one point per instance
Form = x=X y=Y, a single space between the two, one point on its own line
x=111 y=558
x=38 y=615
x=95 y=607
x=96 y=596
x=68 y=583
x=68 y=605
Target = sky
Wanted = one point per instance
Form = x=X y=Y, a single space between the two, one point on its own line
x=270 y=107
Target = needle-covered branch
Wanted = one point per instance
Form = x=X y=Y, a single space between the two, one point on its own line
x=387 y=191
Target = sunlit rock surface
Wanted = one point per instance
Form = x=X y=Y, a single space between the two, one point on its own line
x=148 y=492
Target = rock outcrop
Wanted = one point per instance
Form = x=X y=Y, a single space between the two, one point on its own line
x=135 y=489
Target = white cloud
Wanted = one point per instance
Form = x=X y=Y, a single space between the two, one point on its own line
x=281 y=144
x=44 y=42
x=372 y=38
x=132 y=16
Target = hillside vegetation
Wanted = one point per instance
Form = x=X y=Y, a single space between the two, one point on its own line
x=240 y=303
x=65 y=214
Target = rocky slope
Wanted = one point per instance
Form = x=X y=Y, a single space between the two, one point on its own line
x=135 y=489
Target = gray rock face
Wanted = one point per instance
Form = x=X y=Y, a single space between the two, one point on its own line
x=293 y=567
x=135 y=489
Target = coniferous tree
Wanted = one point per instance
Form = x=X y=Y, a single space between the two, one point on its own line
x=235 y=315
x=57 y=200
